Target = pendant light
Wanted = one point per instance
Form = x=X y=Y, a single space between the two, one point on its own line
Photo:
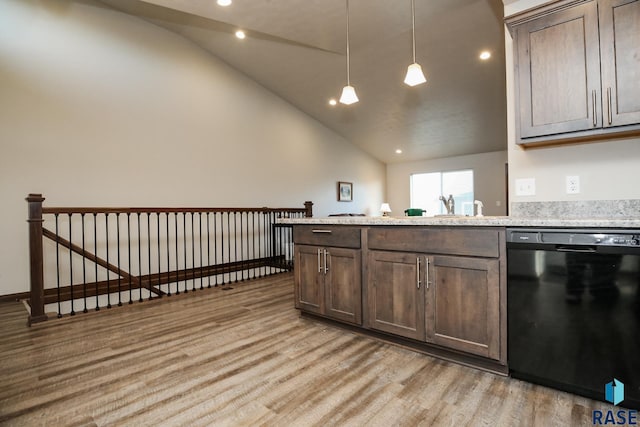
x=414 y=71
x=348 y=92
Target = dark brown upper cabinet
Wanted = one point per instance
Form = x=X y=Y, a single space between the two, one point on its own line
x=620 y=56
x=577 y=70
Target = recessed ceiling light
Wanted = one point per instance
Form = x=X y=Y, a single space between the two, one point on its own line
x=224 y=2
x=240 y=34
x=333 y=102
x=398 y=151
x=485 y=54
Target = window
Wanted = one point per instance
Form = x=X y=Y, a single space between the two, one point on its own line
x=426 y=189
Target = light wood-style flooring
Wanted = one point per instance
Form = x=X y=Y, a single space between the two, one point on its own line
x=245 y=357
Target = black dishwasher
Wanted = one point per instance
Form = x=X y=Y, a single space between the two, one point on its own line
x=573 y=306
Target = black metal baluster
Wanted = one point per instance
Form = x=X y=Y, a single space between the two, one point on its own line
x=251 y=245
x=248 y=246
x=272 y=237
x=58 y=268
x=266 y=243
x=208 y=254
x=246 y=255
x=260 y=215
x=229 y=244
x=267 y=230
x=275 y=234
x=168 y=258
x=215 y=244
x=139 y=261
x=177 y=257
x=84 y=270
x=282 y=250
x=291 y=248
x=73 y=313
x=255 y=215
x=119 y=269
x=193 y=256
x=158 y=246
x=235 y=245
x=184 y=247
x=129 y=255
x=267 y=238
x=106 y=222
x=241 y=249
x=95 y=251
x=149 y=285
x=200 y=229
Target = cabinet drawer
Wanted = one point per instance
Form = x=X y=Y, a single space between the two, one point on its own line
x=447 y=241
x=341 y=237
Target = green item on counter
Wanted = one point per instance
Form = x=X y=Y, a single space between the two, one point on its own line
x=414 y=212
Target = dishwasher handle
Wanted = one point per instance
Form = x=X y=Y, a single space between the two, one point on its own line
x=577 y=249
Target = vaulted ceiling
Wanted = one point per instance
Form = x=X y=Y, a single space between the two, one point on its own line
x=296 y=49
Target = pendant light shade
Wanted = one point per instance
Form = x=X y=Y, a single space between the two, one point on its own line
x=348 y=96
x=415 y=76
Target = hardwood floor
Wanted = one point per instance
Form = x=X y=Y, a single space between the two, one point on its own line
x=245 y=357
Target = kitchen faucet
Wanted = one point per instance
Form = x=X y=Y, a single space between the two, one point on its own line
x=449 y=204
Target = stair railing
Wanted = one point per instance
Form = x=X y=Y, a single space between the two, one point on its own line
x=84 y=259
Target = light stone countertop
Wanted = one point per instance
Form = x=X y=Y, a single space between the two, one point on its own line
x=486 y=221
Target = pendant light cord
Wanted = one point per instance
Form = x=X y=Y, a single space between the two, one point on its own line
x=348 y=80
x=413 y=28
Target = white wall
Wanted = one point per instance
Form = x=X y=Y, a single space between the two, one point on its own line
x=488 y=173
x=608 y=170
x=98 y=108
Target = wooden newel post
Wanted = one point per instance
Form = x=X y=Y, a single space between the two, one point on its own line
x=309 y=209
x=36 y=300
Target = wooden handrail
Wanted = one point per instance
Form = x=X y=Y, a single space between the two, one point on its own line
x=115 y=210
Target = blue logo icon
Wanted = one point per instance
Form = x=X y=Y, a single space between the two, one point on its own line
x=614 y=392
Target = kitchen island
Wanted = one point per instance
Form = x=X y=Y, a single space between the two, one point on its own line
x=435 y=284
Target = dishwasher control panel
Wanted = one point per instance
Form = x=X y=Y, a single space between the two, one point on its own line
x=574 y=237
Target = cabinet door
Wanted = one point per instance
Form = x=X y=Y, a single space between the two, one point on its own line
x=620 y=52
x=558 y=72
x=463 y=305
x=396 y=293
x=308 y=279
x=343 y=285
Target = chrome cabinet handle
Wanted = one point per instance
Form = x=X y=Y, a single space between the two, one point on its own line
x=593 y=101
x=609 y=112
x=418 y=282
x=428 y=282
x=319 y=267
x=321 y=231
x=326 y=266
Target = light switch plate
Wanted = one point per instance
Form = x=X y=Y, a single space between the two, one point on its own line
x=526 y=187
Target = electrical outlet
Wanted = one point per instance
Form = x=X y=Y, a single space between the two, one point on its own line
x=573 y=184
x=526 y=187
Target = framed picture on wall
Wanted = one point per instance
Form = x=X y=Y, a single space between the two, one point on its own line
x=345 y=191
